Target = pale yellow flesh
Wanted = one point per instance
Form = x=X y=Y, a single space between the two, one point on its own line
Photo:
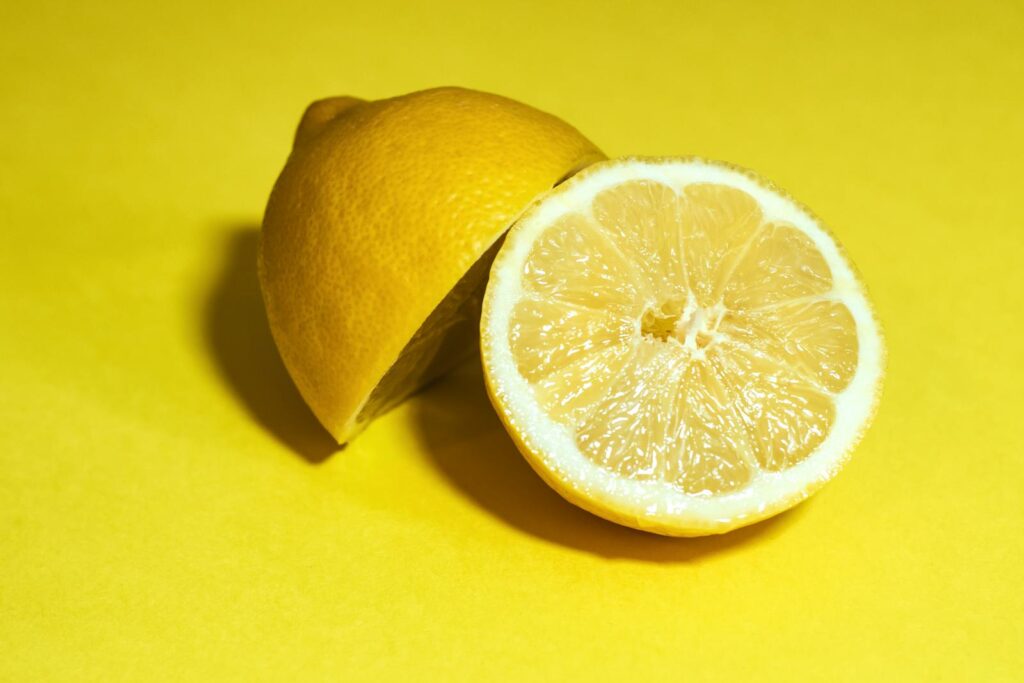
x=681 y=337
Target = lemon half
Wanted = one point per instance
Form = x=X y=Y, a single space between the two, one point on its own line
x=677 y=346
x=377 y=236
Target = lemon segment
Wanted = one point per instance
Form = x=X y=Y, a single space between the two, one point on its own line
x=678 y=346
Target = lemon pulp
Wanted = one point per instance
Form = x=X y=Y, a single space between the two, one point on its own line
x=680 y=335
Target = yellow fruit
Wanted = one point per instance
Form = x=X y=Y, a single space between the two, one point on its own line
x=373 y=228
x=677 y=346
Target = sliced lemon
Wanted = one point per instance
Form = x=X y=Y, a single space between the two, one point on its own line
x=677 y=346
x=378 y=235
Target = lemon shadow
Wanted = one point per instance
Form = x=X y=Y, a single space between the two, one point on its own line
x=470 y=447
x=238 y=339
x=453 y=418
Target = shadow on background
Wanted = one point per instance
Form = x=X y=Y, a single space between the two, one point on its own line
x=238 y=338
x=456 y=424
x=470 y=447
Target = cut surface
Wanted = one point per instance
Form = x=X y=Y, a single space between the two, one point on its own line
x=677 y=346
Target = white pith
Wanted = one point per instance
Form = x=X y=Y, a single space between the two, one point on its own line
x=658 y=504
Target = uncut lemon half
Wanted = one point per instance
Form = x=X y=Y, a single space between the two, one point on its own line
x=677 y=346
x=379 y=231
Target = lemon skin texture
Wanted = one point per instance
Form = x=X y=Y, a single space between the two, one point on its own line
x=380 y=211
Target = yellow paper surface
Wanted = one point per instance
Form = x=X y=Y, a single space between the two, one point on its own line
x=170 y=510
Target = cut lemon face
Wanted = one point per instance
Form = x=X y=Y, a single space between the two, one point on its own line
x=677 y=346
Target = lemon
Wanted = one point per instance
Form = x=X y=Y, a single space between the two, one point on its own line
x=677 y=346
x=376 y=237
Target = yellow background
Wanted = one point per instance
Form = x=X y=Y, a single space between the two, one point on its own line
x=168 y=509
